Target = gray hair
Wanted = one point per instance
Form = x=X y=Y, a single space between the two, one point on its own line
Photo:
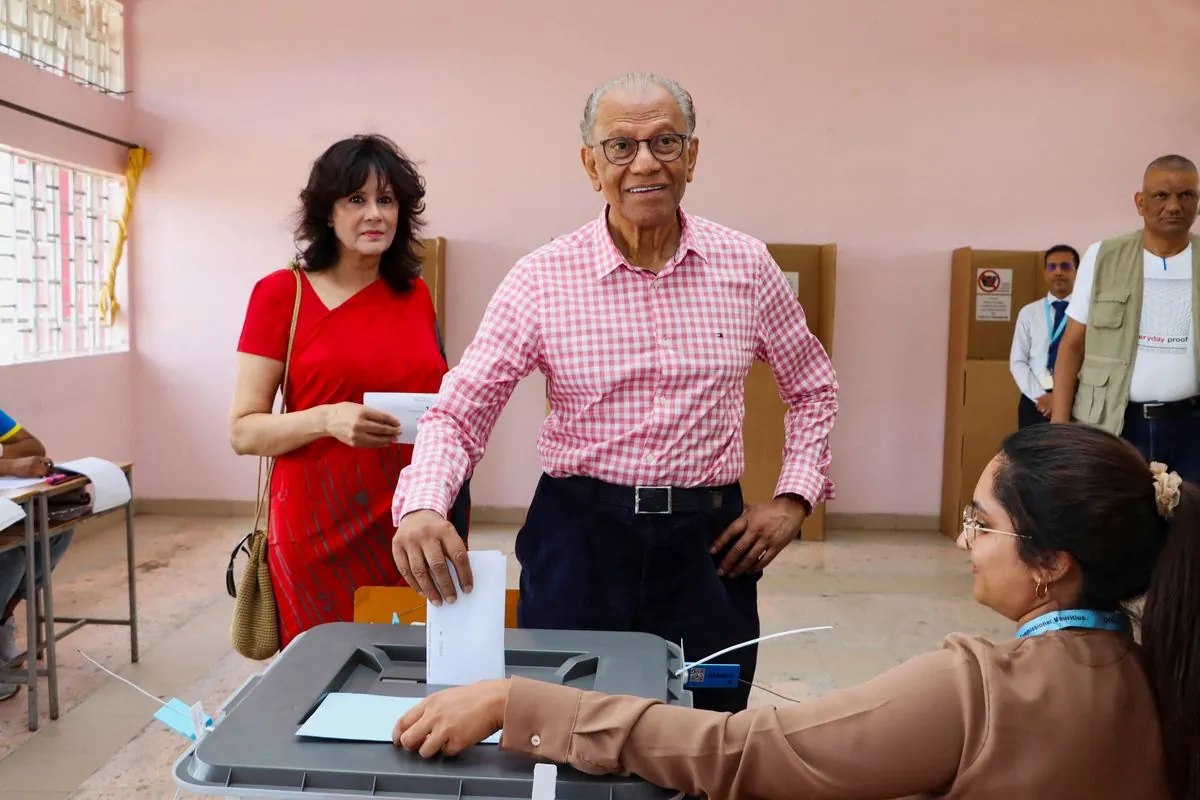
x=633 y=82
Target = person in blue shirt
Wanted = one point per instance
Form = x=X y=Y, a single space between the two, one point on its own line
x=22 y=455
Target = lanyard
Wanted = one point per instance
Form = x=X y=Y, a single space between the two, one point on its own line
x=1049 y=321
x=1074 y=618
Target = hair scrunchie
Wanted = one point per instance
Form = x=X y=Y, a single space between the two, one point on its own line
x=1166 y=488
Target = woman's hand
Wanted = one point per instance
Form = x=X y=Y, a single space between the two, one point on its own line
x=359 y=426
x=452 y=720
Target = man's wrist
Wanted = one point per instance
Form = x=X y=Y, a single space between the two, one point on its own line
x=798 y=500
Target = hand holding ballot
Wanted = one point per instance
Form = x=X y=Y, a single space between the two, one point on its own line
x=452 y=720
x=361 y=426
x=423 y=547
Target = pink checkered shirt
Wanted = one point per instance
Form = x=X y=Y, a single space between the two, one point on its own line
x=646 y=372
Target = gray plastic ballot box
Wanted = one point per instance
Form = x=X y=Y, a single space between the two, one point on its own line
x=253 y=750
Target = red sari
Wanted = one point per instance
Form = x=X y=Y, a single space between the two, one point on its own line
x=330 y=529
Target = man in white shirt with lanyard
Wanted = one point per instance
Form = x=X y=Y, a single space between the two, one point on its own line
x=1035 y=341
x=1128 y=360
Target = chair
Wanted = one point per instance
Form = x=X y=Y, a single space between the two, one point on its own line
x=379 y=603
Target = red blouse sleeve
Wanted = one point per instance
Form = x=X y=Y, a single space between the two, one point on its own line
x=269 y=316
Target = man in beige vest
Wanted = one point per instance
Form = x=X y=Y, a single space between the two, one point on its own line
x=1128 y=360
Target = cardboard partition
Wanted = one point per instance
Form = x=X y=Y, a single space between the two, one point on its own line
x=812 y=270
x=987 y=290
x=433 y=271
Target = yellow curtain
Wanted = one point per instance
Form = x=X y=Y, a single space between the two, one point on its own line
x=139 y=159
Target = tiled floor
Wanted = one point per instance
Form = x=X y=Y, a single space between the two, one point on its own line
x=889 y=596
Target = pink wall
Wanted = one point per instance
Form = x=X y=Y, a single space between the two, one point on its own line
x=77 y=406
x=897 y=130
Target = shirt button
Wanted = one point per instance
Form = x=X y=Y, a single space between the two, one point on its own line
x=536 y=741
x=650 y=458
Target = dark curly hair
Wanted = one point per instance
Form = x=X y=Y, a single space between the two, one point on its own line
x=340 y=172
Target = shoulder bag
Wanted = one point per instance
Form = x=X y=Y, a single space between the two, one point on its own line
x=255 y=628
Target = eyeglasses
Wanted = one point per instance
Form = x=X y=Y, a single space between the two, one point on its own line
x=622 y=150
x=1062 y=266
x=971 y=527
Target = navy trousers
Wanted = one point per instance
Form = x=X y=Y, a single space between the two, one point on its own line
x=1028 y=414
x=1175 y=440
x=587 y=564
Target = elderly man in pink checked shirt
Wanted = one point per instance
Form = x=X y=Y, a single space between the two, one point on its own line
x=645 y=322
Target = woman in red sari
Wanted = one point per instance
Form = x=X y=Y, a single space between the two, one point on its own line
x=366 y=324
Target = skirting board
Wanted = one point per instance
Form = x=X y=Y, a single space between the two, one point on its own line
x=515 y=516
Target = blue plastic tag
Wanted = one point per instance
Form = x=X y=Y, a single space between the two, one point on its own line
x=177 y=715
x=713 y=676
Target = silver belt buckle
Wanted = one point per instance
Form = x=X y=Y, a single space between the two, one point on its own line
x=637 y=499
x=1146 y=408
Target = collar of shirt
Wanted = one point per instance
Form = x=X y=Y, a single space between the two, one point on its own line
x=609 y=257
x=1050 y=298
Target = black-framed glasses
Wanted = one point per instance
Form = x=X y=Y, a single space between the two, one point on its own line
x=622 y=150
x=971 y=527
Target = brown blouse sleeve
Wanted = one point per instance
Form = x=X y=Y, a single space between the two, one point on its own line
x=907 y=731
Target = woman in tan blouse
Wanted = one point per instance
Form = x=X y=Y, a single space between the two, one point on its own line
x=1067 y=526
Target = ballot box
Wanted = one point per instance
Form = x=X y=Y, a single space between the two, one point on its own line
x=254 y=751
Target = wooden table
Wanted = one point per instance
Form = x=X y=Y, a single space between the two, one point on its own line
x=40 y=619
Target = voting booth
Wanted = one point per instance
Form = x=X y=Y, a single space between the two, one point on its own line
x=433 y=272
x=987 y=289
x=256 y=748
x=812 y=272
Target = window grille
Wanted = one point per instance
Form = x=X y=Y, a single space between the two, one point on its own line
x=57 y=236
x=79 y=39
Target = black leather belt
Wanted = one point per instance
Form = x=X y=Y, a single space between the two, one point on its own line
x=653 y=500
x=1175 y=408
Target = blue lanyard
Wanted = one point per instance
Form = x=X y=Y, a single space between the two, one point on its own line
x=1074 y=618
x=1049 y=321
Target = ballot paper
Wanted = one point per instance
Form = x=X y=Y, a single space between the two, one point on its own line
x=10 y=513
x=110 y=487
x=464 y=640
x=406 y=407
x=361 y=718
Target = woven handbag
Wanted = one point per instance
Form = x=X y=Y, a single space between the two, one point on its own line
x=255 y=628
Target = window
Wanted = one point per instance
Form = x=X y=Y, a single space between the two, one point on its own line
x=57 y=236
x=79 y=39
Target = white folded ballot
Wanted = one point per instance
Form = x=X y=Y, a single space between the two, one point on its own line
x=407 y=407
x=110 y=487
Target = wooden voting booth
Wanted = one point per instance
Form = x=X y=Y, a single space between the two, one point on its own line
x=433 y=271
x=812 y=271
x=987 y=289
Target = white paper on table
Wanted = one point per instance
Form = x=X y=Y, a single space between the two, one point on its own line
x=10 y=513
x=361 y=718
x=9 y=482
x=408 y=407
x=110 y=487
x=464 y=640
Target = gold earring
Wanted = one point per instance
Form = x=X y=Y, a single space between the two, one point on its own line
x=1042 y=590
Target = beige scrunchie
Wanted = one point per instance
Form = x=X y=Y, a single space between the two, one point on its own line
x=1166 y=488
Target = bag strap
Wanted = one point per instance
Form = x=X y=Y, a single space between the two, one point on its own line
x=264 y=489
